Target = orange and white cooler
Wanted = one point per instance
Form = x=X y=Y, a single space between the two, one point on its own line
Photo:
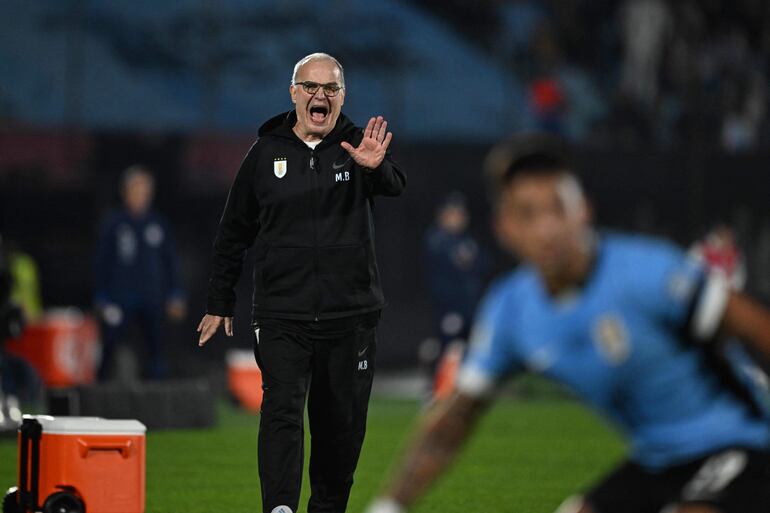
x=63 y=347
x=244 y=379
x=81 y=464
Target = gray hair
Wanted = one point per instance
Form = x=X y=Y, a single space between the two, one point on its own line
x=318 y=57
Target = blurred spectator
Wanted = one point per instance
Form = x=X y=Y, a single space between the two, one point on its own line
x=455 y=267
x=547 y=99
x=646 y=26
x=17 y=378
x=548 y=103
x=10 y=315
x=745 y=114
x=136 y=275
x=25 y=288
x=562 y=96
x=519 y=22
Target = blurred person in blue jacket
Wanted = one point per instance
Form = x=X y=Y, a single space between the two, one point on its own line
x=455 y=267
x=136 y=275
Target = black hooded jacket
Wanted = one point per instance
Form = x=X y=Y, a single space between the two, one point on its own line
x=309 y=214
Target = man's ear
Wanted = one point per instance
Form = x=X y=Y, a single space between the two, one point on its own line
x=293 y=93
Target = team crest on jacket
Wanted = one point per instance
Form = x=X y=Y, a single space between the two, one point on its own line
x=611 y=339
x=279 y=167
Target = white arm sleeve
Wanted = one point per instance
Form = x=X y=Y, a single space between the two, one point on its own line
x=711 y=305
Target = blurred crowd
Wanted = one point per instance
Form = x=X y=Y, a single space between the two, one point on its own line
x=634 y=72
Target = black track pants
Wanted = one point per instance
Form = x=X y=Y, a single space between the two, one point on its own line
x=334 y=361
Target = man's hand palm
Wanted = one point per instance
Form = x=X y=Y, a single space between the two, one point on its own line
x=369 y=154
x=371 y=151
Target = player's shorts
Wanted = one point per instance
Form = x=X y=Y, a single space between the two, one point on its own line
x=733 y=480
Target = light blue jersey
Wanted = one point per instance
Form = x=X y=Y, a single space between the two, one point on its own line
x=624 y=344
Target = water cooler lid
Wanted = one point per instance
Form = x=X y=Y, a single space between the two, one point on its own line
x=88 y=425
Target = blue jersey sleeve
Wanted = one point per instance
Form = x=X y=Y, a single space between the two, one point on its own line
x=671 y=283
x=491 y=356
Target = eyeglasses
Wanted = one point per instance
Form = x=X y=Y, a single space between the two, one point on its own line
x=331 y=89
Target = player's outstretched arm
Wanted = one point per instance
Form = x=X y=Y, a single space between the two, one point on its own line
x=749 y=321
x=438 y=440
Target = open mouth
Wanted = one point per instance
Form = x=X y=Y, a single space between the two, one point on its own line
x=318 y=113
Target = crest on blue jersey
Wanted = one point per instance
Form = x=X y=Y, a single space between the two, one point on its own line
x=610 y=337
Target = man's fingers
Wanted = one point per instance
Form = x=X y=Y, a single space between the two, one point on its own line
x=208 y=326
x=377 y=127
x=205 y=335
x=369 y=128
x=208 y=331
x=347 y=147
x=200 y=326
x=387 y=140
x=383 y=130
x=229 y=326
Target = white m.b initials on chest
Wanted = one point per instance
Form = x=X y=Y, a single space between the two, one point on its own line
x=342 y=177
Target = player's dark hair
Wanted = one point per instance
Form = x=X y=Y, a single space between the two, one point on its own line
x=133 y=171
x=525 y=154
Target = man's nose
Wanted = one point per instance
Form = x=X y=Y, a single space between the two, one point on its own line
x=547 y=225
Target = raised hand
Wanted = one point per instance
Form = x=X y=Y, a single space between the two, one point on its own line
x=371 y=151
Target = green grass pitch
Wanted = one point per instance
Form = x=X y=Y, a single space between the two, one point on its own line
x=526 y=455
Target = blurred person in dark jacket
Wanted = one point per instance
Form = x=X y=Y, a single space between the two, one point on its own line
x=304 y=197
x=136 y=275
x=455 y=267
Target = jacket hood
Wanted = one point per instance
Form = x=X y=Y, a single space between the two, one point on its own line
x=281 y=126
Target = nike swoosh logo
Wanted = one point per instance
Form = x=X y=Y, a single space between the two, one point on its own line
x=336 y=166
x=362 y=351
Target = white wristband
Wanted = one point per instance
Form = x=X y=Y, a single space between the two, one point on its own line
x=711 y=306
x=385 y=505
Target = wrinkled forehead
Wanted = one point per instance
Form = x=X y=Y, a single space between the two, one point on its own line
x=319 y=70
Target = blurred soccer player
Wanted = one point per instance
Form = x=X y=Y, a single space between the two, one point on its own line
x=632 y=326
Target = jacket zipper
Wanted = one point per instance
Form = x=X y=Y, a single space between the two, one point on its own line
x=314 y=172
